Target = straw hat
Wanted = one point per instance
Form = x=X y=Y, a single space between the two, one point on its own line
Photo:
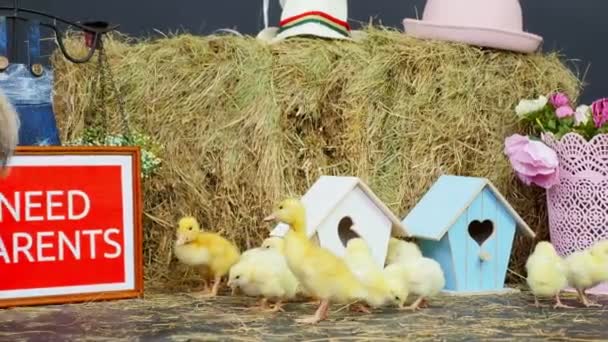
x=320 y=18
x=488 y=23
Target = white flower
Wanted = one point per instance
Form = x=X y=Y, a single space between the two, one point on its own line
x=526 y=107
x=582 y=115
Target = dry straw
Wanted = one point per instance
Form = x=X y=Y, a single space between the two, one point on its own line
x=245 y=124
x=182 y=317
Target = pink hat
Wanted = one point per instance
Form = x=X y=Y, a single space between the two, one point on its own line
x=489 y=23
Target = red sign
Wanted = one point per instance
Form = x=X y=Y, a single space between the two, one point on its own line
x=70 y=226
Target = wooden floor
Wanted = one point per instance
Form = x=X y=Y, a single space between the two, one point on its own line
x=180 y=317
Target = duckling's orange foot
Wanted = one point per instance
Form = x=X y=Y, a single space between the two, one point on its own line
x=360 y=308
x=320 y=314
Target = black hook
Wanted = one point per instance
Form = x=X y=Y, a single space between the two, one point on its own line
x=84 y=27
x=93 y=31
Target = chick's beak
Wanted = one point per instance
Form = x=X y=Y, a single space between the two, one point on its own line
x=270 y=218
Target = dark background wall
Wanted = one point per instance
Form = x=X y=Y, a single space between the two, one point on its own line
x=575 y=28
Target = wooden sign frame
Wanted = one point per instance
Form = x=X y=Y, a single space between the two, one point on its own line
x=138 y=282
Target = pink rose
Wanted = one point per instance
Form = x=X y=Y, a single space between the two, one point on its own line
x=564 y=111
x=559 y=100
x=599 y=110
x=533 y=161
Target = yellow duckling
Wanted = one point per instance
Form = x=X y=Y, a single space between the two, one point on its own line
x=191 y=254
x=322 y=273
x=195 y=247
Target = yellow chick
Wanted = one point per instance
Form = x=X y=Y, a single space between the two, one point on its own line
x=250 y=253
x=587 y=269
x=238 y=267
x=265 y=274
x=275 y=243
x=399 y=250
x=322 y=273
x=547 y=274
x=360 y=261
x=424 y=278
x=238 y=278
x=196 y=246
x=395 y=276
x=279 y=244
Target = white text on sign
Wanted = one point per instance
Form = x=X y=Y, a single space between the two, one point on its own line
x=50 y=246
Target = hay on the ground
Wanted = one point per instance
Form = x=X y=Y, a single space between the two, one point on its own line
x=183 y=317
x=245 y=124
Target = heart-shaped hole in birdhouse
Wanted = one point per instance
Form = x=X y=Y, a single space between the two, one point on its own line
x=481 y=231
x=345 y=231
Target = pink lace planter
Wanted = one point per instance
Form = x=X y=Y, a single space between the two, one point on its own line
x=578 y=205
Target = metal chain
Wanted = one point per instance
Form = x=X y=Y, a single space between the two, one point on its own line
x=102 y=96
x=124 y=116
x=97 y=115
x=93 y=113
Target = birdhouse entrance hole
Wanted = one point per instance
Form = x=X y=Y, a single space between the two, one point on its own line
x=345 y=231
x=481 y=231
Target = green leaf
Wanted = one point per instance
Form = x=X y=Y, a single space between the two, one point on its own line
x=563 y=130
x=540 y=124
x=568 y=121
x=603 y=129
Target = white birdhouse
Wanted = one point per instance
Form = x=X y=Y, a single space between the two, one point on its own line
x=341 y=208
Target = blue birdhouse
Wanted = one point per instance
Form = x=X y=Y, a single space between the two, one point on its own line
x=467 y=226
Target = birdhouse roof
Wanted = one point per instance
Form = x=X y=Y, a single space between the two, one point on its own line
x=446 y=201
x=325 y=195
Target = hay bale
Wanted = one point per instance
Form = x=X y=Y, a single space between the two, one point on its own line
x=245 y=124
